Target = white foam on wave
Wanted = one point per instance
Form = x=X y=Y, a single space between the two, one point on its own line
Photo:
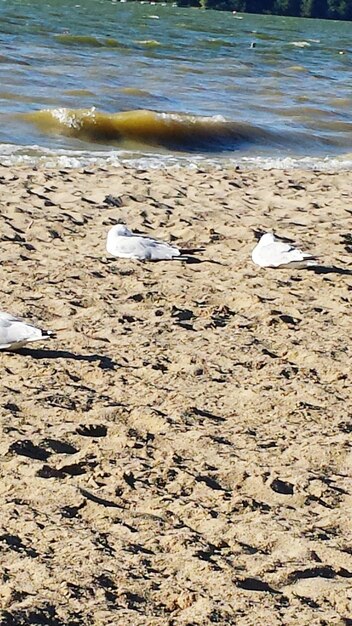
x=331 y=164
x=61 y=158
x=68 y=118
x=300 y=44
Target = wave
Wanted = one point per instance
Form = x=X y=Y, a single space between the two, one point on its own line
x=300 y=44
x=148 y=128
x=148 y=43
x=214 y=42
x=34 y=155
x=135 y=91
x=89 y=40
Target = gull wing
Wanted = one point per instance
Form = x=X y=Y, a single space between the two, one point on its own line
x=158 y=250
x=288 y=255
x=15 y=333
x=142 y=248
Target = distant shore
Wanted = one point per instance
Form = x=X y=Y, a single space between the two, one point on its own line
x=326 y=10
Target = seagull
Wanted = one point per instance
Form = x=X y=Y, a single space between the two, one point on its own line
x=16 y=333
x=271 y=252
x=123 y=243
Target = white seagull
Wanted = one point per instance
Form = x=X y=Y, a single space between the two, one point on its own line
x=16 y=333
x=271 y=252
x=123 y=243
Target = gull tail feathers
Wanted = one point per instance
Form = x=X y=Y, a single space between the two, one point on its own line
x=191 y=251
x=301 y=263
x=48 y=334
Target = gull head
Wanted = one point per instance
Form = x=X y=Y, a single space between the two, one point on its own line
x=120 y=230
x=267 y=239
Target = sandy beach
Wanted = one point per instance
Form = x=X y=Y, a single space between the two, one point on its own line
x=179 y=453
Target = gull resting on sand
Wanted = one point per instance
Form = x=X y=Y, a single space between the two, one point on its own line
x=123 y=243
x=16 y=333
x=271 y=252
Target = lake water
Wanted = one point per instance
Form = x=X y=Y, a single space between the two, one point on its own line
x=95 y=80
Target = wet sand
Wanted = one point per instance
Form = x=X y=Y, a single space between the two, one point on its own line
x=178 y=454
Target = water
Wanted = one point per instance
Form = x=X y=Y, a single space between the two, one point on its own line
x=97 y=80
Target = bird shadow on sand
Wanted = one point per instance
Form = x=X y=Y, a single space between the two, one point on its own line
x=329 y=269
x=189 y=260
x=104 y=361
x=187 y=256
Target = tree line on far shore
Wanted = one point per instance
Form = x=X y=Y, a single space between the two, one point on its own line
x=325 y=9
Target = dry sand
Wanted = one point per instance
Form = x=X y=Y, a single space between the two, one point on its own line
x=178 y=455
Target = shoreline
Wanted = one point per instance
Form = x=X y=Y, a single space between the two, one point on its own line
x=179 y=452
x=36 y=156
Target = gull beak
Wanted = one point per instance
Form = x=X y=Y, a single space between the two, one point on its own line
x=257 y=233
